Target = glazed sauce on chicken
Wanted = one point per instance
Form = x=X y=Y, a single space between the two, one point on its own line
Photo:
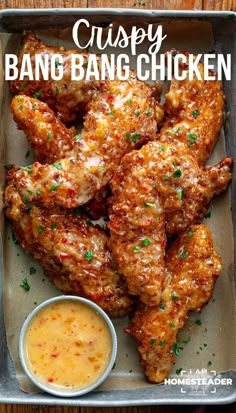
x=68 y=344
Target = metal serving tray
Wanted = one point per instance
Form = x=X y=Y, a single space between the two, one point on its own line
x=224 y=30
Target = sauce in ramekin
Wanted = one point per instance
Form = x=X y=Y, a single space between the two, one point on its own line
x=67 y=344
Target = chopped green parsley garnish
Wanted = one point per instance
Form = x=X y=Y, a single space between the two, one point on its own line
x=111 y=112
x=192 y=137
x=33 y=107
x=57 y=165
x=128 y=102
x=147 y=204
x=190 y=233
x=32 y=270
x=162 y=307
x=175 y=130
x=136 y=249
x=77 y=138
x=57 y=64
x=195 y=113
x=37 y=94
x=161 y=148
x=184 y=255
x=153 y=341
x=23 y=85
x=49 y=135
x=166 y=178
x=177 y=173
x=198 y=322
x=38 y=191
x=174 y=297
x=14 y=238
x=146 y=242
x=172 y=325
x=28 y=209
x=133 y=137
x=148 y=112
x=179 y=194
x=20 y=107
x=54 y=226
x=57 y=91
x=41 y=229
x=89 y=255
x=25 y=284
x=55 y=186
x=208 y=214
x=137 y=112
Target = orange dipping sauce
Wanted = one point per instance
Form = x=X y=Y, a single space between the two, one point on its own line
x=67 y=344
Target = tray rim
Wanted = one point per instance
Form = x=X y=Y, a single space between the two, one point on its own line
x=91 y=399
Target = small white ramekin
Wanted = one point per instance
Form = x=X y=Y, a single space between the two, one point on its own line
x=52 y=388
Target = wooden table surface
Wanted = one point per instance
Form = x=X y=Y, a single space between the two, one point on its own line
x=148 y=4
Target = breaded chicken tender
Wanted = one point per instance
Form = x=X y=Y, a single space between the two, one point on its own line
x=120 y=117
x=192 y=268
x=67 y=98
x=194 y=112
x=157 y=189
x=73 y=253
x=49 y=137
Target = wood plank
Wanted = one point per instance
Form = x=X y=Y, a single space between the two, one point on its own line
x=219 y=5
x=149 y=4
x=37 y=4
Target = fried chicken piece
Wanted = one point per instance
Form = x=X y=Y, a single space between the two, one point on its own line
x=192 y=268
x=156 y=189
x=66 y=97
x=73 y=252
x=49 y=137
x=194 y=112
x=137 y=229
x=120 y=117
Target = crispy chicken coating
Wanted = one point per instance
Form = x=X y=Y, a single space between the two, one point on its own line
x=120 y=117
x=73 y=252
x=67 y=98
x=157 y=189
x=192 y=268
x=194 y=112
x=49 y=137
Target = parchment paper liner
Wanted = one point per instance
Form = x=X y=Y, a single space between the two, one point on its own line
x=211 y=342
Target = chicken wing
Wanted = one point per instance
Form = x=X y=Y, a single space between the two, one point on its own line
x=156 y=189
x=194 y=111
x=192 y=267
x=73 y=252
x=49 y=137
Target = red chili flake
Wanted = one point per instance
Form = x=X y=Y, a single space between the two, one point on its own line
x=92 y=138
x=110 y=97
x=36 y=164
x=64 y=240
x=54 y=355
x=71 y=192
x=50 y=380
x=164 y=243
x=147 y=222
x=63 y=256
